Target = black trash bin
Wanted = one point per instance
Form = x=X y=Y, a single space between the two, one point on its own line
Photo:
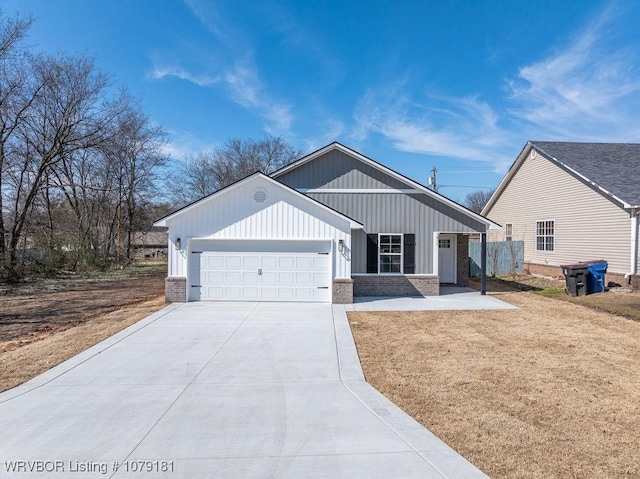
x=596 y=278
x=575 y=276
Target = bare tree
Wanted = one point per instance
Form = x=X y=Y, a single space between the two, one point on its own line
x=207 y=172
x=66 y=115
x=135 y=155
x=477 y=200
x=17 y=93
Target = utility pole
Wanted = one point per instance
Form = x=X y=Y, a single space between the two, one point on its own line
x=432 y=179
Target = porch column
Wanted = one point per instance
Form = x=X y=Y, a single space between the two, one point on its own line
x=436 y=237
x=483 y=263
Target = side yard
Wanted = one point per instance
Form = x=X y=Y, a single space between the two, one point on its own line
x=549 y=390
x=46 y=322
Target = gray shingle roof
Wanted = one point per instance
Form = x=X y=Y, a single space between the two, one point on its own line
x=614 y=167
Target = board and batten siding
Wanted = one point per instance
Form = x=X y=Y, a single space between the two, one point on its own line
x=338 y=170
x=234 y=214
x=416 y=213
x=587 y=225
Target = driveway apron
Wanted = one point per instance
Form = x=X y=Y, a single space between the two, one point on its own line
x=218 y=390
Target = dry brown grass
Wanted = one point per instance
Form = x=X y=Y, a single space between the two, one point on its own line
x=549 y=390
x=20 y=364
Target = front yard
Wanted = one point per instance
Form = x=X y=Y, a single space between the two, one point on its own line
x=45 y=322
x=549 y=390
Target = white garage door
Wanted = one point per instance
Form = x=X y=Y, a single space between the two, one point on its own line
x=247 y=276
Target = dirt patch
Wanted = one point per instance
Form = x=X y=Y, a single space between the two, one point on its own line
x=32 y=311
x=548 y=390
x=43 y=323
x=620 y=301
x=23 y=363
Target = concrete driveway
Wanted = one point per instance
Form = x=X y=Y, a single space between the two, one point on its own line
x=218 y=390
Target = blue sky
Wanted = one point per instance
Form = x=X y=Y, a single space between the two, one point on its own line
x=460 y=85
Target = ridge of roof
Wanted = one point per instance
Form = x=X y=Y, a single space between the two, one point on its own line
x=609 y=168
x=385 y=169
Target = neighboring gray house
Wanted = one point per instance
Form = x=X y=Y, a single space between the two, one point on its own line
x=572 y=202
x=329 y=226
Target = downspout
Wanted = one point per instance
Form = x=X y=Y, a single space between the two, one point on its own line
x=634 y=243
x=483 y=263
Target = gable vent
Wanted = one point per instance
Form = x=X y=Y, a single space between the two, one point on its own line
x=259 y=195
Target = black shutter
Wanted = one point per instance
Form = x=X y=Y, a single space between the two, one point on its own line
x=372 y=253
x=409 y=266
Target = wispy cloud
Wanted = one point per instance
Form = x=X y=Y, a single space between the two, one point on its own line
x=182 y=74
x=184 y=145
x=464 y=128
x=248 y=90
x=585 y=91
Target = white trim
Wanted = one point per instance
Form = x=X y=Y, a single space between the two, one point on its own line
x=208 y=238
x=394 y=274
x=536 y=236
x=435 y=258
x=505 y=232
x=359 y=190
x=401 y=254
x=163 y=221
x=453 y=238
x=388 y=171
x=634 y=241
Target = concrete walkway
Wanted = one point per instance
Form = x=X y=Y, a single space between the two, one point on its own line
x=452 y=298
x=228 y=390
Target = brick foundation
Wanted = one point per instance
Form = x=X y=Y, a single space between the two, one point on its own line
x=556 y=272
x=175 y=289
x=401 y=285
x=462 y=277
x=342 y=291
x=543 y=269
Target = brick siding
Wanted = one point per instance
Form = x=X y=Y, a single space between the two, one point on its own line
x=401 y=285
x=342 y=291
x=175 y=289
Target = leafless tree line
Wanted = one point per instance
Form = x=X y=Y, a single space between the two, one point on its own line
x=207 y=171
x=78 y=163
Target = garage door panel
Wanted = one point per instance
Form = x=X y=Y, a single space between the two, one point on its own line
x=234 y=262
x=304 y=294
x=304 y=278
x=269 y=277
x=286 y=278
x=213 y=261
x=269 y=262
x=233 y=277
x=260 y=276
x=268 y=294
x=251 y=293
x=286 y=262
x=250 y=277
x=212 y=277
x=251 y=262
x=304 y=263
x=286 y=294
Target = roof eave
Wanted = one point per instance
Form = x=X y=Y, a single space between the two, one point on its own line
x=353 y=224
x=345 y=149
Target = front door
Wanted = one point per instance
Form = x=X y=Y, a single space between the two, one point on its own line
x=447 y=258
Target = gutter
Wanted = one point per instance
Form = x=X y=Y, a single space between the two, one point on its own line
x=635 y=213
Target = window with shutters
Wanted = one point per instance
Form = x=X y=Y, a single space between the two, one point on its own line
x=390 y=253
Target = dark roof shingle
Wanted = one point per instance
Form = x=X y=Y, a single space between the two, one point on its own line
x=614 y=167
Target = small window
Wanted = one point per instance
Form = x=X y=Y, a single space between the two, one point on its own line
x=545 y=235
x=508 y=231
x=444 y=243
x=390 y=253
